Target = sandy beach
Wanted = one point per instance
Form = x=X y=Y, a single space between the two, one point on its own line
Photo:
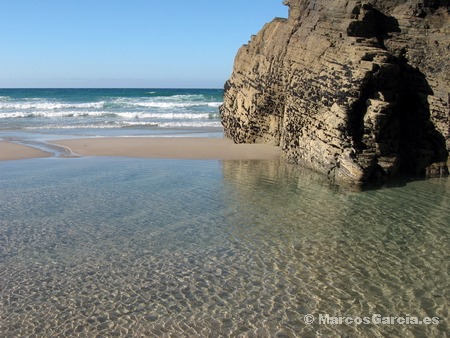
x=13 y=151
x=150 y=147
x=176 y=148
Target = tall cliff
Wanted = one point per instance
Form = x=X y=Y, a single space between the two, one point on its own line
x=356 y=90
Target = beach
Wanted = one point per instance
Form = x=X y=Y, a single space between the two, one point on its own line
x=150 y=147
x=13 y=151
x=175 y=148
x=129 y=214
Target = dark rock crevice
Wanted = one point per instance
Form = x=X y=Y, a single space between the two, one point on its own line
x=372 y=24
x=358 y=110
x=390 y=125
x=420 y=144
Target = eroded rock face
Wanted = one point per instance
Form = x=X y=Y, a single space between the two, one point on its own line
x=356 y=90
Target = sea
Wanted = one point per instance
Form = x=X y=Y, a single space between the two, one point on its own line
x=108 y=112
x=132 y=247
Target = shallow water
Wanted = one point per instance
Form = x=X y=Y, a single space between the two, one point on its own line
x=124 y=247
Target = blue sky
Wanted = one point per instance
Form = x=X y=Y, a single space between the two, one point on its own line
x=126 y=43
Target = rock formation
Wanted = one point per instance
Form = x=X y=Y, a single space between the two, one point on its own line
x=356 y=90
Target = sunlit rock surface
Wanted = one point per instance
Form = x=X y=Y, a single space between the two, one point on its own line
x=358 y=91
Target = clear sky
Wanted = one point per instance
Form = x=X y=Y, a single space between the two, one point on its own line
x=126 y=43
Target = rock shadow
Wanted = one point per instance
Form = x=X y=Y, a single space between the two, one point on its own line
x=371 y=23
x=391 y=125
x=422 y=148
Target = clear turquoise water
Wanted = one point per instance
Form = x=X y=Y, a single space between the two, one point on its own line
x=35 y=116
x=126 y=247
x=94 y=111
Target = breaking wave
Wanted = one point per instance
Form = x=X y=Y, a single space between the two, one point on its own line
x=78 y=108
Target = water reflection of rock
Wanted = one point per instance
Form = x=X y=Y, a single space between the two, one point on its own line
x=185 y=250
x=354 y=254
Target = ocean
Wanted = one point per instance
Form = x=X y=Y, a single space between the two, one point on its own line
x=107 y=112
x=132 y=247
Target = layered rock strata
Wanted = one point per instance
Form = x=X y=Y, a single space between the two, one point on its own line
x=356 y=90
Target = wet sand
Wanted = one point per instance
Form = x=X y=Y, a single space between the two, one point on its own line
x=13 y=151
x=170 y=148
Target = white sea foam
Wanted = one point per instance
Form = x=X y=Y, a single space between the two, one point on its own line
x=165 y=116
x=182 y=97
x=160 y=102
x=165 y=105
x=75 y=113
x=125 y=124
x=193 y=124
x=111 y=114
x=75 y=126
x=136 y=124
x=214 y=104
x=49 y=105
x=108 y=111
